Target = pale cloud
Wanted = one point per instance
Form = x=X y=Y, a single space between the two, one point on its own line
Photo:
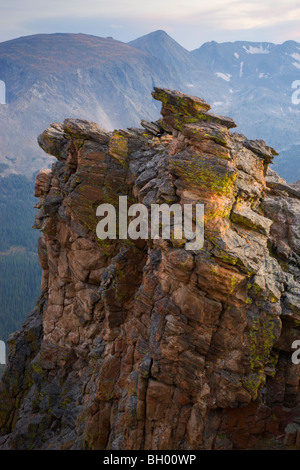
x=246 y=15
x=190 y=22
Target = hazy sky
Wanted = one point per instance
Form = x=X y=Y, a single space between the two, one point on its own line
x=190 y=22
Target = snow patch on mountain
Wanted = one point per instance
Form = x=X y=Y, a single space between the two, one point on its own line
x=224 y=76
x=241 y=69
x=256 y=50
x=296 y=56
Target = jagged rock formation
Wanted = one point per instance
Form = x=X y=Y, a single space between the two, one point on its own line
x=141 y=344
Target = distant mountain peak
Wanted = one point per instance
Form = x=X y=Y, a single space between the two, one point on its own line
x=160 y=39
x=162 y=46
x=158 y=34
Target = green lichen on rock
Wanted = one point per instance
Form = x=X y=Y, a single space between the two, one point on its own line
x=223 y=213
x=233 y=282
x=118 y=147
x=229 y=258
x=244 y=215
x=262 y=339
x=180 y=103
x=205 y=175
x=106 y=246
x=253 y=383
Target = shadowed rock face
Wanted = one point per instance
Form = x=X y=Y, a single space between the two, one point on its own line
x=142 y=344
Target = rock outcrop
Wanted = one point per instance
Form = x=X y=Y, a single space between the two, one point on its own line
x=142 y=344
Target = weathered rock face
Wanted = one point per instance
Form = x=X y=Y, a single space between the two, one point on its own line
x=141 y=344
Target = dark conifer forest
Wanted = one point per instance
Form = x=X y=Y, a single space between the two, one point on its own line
x=20 y=273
